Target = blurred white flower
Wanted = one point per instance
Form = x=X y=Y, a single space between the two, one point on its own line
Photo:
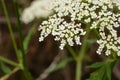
x=27 y=15
x=116 y=2
x=37 y=9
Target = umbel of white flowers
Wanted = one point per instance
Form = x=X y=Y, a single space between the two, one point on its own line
x=67 y=24
x=70 y=15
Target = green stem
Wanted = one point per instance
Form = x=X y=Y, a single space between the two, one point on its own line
x=78 y=70
x=72 y=52
x=19 y=26
x=84 y=44
x=79 y=58
x=9 y=74
x=25 y=69
x=10 y=28
x=81 y=55
x=8 y=61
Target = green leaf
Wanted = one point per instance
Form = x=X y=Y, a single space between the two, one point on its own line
x=108 y=71
x=109 y=68
x=27 y=39
x=5 y=68
x=96 y=65
x=98 y=74
x=103 y=72
x=63 y=63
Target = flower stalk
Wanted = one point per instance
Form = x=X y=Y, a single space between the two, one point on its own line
x=22 y=62
x=19 y=26
x=10 y=28
x=8 y=61
x=81 y=55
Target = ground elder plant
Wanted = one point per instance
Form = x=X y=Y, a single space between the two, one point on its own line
x=71 y=23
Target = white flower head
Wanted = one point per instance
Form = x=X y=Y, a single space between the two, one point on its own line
x=66 y=25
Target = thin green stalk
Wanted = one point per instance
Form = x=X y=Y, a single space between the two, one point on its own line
x=10 y=28
x=72 y=52
x=78 y=70
x=81 y=55
x=19 y=26
x=9 y=74
x=8 y=61
x=84 y=44
x=79 y=58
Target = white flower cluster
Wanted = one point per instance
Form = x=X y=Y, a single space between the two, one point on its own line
x=117 y=2
x=37 y=9
x=71 y=16
x=109 y=42
x=107 y=21
x=64 y=32
x=63 y=25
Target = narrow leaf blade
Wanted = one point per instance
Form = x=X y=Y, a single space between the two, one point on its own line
x=27 y=39
x=96 y=65
x=5 y=68
x=63 y=63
